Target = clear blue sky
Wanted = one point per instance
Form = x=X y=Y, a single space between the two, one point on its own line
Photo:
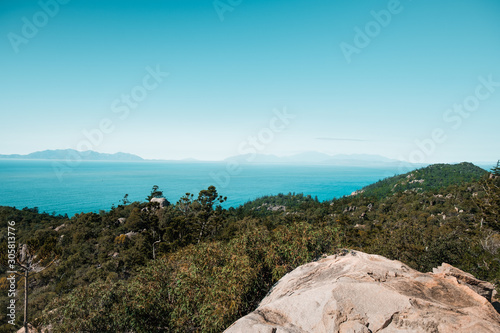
x=229 y=67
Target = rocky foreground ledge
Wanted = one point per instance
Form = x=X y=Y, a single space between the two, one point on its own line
x=361 y=293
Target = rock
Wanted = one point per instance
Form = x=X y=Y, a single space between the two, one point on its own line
x=131 y=234
x=162 y=201
x=485 y=289
x=350 y=209
x=121 y=220
x=31 y=329
x=60 y=227
x=358 y=292
x=277 y=208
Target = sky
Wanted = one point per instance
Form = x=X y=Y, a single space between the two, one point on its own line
x=173 y=79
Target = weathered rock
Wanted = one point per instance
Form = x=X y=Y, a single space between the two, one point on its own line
x=358 y=292
x=131 y=234
x=485 y=289
x=60 y=227
x=121 y=220
x=162 y=201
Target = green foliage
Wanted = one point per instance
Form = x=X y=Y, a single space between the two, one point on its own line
x=431 y=178
x=89 y=308
x=155 y=193
x=489 y=202
x=200 y=288
x=496 y=170
x=125 y=200
x=192 y=221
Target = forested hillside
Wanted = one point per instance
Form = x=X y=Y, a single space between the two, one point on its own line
x=433 y=177
x=193 y=266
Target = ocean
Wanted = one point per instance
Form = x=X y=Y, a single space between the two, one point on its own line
x=55 y=187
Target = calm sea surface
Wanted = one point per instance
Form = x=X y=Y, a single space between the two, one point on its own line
x=94 y=186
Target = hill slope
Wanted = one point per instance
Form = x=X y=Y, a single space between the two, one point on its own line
x=430 y=178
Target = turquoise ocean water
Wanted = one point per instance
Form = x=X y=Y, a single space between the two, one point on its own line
x=93 y=186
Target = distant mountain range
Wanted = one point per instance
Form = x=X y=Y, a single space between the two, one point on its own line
x=307 y=158
x=62 y=154
x=315 y=158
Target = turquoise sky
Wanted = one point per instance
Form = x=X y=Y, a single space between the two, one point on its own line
x=415 y=80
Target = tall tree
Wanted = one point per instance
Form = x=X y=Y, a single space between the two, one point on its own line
x=496 y=170
x=155 y=193
x=30 y=259
x=209 y=218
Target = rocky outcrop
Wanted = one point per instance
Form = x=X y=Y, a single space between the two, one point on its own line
x=60 y=227
x=273 y=208
x=485 y=289
x=161 y=201
x=362 y=293
x=131 y=234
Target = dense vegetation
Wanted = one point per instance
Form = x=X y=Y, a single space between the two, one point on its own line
x=431 y=178
x=96 y=272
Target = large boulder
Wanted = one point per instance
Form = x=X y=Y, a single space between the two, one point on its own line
x=361 y=293
x=161 y=201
